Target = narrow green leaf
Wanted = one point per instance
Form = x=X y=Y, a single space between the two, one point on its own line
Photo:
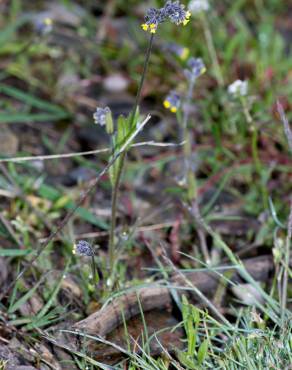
x=24 y=298
x=30 y=100
x=53 y=194
x=14 y=252
x=12 y=117
x=203 y=351
x=52 y=298
x=186 y=361
x=9 y=31
x=274 y=214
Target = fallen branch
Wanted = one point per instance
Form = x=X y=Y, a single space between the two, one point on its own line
x=157 y=296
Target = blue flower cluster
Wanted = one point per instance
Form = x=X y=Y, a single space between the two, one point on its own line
x=196 y=68
x=172 y=101
x=100 y=115
x=83 y=248
x=172 y=10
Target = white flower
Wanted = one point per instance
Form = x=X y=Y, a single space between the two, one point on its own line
x=198 y=6
x=238 y=88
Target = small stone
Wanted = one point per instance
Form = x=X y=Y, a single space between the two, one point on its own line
x=115 y=83
x=8 y=142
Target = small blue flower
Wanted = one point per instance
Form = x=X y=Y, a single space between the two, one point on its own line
x=196 y=68
x=180 y=51
x=100 y=115
x=43 y=26
x=172 y=101
x=83 y=248
x=176 y=12
x=153 y=18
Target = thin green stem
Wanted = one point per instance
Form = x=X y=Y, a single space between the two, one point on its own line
x=145 y=67
x=95 y=276
x=116 y=185
x=212 y=50
x=254 y=148
x=115 y=191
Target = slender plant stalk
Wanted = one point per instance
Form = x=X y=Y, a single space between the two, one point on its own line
x=116 y=185
x=254 y=150
x=95 y=276
x=186 y=135
x=286 y=267
x=189 y=174
x=197 y=291
x=212 y=50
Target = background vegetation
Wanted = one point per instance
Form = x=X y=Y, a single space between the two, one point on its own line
x=231 y=211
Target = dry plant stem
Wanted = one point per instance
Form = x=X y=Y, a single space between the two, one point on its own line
x=185 y=132
x=203 y=245
x=80 y=154
x=79 y=202
x=286 y=125
x=109 y=11
x=122 y=163
x=190 y=176
x=212 y=50
x=8 y=227
x=197 y=291
x=286 y=267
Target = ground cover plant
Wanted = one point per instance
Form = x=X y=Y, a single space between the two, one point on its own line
x=145 y=184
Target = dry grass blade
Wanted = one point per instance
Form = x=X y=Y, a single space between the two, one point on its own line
x=287 y=128
x=80 y=154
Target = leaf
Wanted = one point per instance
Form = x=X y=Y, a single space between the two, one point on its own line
x=53 y=194
x=12 y=117
x=14 y=252
x=9 y=31
x=24 y=298
x=52 y=112
x=51 y=300
x=203 y=351
x=186 y=361
x=29 y=99
x=274 y=214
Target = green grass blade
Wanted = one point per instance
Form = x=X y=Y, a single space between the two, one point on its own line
x=52 y=298
x=24 y=298
x=30 y=100
x=12 y=117
x=8 y=32
x=14 y=252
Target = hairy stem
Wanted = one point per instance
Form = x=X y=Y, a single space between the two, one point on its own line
x=116 y=185
x=115 y=191
x=186 y=135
